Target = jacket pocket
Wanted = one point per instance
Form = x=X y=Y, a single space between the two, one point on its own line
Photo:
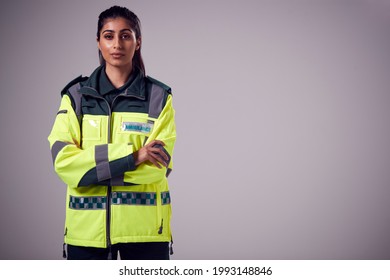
x=91 y=128
x=94 y=130
x=86 y=227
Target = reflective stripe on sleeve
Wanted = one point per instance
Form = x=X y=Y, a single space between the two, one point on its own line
x=102 y=165
x=56 y=148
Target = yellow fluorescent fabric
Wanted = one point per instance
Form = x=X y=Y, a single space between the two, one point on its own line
x=164 y=129
x=73 y=144
x=72 y=162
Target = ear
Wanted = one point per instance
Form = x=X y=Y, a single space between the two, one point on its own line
x=139 y=42
x=98 y=43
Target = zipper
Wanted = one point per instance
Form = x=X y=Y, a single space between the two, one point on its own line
x=109 y=188
x=64 y=245
x=161 y=227
x=132 y=95
x=108 y=223
x=159 y=211
x=108 y=205
x=171 y=246
x=110 y=107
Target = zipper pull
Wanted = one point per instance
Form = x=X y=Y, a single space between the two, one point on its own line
x=63 y=251
x=161 y=227
x=171 y=247
x=64 y=245
x=109 y=257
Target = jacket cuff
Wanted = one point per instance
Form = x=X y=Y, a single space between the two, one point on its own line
x=131 y=162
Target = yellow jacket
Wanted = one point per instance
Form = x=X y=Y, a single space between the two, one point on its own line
x=109 y=199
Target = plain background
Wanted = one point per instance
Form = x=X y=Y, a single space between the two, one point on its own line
x=282 y=111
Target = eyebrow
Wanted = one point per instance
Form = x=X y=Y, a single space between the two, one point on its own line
x=126 y=29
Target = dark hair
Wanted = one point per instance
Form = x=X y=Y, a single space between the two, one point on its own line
x=135 y=24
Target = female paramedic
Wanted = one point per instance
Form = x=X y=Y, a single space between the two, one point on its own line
x=112 y=143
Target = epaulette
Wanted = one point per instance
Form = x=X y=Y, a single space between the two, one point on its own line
x=164 y=86
x=73 y=82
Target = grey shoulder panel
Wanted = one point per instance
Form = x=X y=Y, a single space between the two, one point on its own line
x=156 y=102
x=73 y=82
x=158 y=83
x=158 y=97
x=72 y=90
x=75 y=95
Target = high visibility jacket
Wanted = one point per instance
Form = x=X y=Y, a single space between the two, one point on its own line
x=109 y=199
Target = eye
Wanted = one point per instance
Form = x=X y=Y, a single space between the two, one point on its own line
x=108 y=36
x=126 y=36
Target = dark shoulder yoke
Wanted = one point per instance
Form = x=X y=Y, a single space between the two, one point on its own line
x=72 y=90
x=158 y=97
x=73 y=82
x=156 y=82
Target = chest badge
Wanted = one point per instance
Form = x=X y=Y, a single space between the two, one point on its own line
x=137 y=127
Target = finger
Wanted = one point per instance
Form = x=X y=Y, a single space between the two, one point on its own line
x=159 y=158
x=160 y=152
x=155 y=162
x=154 y=142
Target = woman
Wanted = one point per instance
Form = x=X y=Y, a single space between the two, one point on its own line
x=112 y=143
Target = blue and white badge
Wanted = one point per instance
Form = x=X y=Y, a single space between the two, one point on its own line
x=137 y=127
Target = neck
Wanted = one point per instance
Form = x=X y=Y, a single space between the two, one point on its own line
x=118 y=76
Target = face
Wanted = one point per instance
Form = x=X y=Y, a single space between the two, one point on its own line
x=118 y=43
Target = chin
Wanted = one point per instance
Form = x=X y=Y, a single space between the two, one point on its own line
x=119 y=64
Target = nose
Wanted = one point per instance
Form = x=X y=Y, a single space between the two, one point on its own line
x=117 y=43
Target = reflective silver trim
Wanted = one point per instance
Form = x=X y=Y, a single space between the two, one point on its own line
x=56 y=148
x=134 y=198
x=74 y=92
x=139 y=198
x=87 y=202
x=117 y=198
x=102 y=165
x=165 y=198
x=156 y=101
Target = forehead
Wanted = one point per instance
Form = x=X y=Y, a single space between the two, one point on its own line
x=116 y=24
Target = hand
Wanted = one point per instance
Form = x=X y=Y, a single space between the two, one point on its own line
x=152 y=153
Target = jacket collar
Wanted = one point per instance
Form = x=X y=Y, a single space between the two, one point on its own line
x=136 y=88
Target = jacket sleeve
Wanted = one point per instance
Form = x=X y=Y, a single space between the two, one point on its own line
x=164 y=130
x=84 y=167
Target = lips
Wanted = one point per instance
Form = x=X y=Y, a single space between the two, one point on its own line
x=117 y=55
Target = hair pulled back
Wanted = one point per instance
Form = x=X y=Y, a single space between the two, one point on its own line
x=135 y=24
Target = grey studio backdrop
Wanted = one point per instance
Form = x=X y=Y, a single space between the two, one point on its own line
x=282 y=111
